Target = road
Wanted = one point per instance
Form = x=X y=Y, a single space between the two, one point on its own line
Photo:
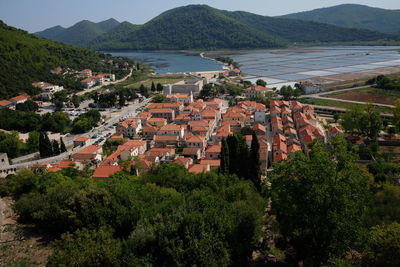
x=99 y=86
x=322 y=95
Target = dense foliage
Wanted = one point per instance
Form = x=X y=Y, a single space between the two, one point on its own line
x=292 y=30
x=26 y=58
x=320 y=202
x=167 y=217
x=385 y=82
x=354 y=16
x=86 y=121
x=190 y=27
x=79 y=34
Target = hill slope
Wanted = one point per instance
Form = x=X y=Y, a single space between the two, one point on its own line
x=26 y=58
x=80 y=33
x=293 y=30
x=189 y=27
x=355 y=16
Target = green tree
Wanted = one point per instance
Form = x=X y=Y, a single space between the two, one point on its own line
x=144 y=91
x=261 y=82
x=87 y=248
x=254 y=167
x=159 y=98
x=320 y=201
x=56 y=147
x=121 y=99
x=45 y=146
x=364 y=122
x=153 y=87
x=224 y=157
x=383 y=246
x=62 y=146
x=33 y=141
x=75 y=101
x=159 y=87
x=27 y=106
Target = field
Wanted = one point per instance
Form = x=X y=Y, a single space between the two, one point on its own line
x=338 y=104
x=162 y=79
x=373 y=95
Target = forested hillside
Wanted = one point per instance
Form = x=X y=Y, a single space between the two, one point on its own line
x=194 y=26
x=293 y=30
x=26 y=58
x=79 y=34
x=354 y=16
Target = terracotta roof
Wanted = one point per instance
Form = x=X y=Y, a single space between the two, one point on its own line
x=178 y=96
x=198 y=168
x=211 y=162
x=66 y=163
x=293 y=148
x=280 y=157
x=19 y=97
x=53 y=169
x=183 y=160
x=89 y=149
x=81 y=139
x=5 y=103
x=104 y=171
x=164 y=105
x=156 y=120
x=196 y=138
x=165 y=138
x=259 y=126
x=161 y=110
x=335 y=129
x=216 y=148
x=170 y=127
x=190 y=151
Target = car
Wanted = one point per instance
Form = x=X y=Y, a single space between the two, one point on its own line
x=94 y=136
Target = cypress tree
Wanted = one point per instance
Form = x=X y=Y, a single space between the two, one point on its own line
x=41 y=145
x=153 y=87
x=159 y=87
x=242 y=159
x=56 y=148
x=254 y=168
x=45 y=146
x=232 y=154
x=62 y=146
x=224 y=168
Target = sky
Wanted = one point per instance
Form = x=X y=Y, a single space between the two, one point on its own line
x=37 y=15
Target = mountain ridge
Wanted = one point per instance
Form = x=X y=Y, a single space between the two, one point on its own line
x=203 y=27
x=354 y=16
x=80 y=33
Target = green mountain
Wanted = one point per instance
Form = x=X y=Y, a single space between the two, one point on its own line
x=292 y=30
x=52 y=32
x=79 y=34
x=354 y=16
x=26 y=58
x=203 y=27
x=189 y=27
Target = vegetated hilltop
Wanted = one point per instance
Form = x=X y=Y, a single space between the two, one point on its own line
x=354 y=16
x=26 y=58
x=80 y=33
x=203 y=27
x=189 y=27
x=294 y=30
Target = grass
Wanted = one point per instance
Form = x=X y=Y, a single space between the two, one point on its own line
x=338 y=104
x=162 y=79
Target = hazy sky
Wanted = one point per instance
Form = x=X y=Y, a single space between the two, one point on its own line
x=37 y=15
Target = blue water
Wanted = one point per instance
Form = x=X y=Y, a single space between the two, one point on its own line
x=163 y=62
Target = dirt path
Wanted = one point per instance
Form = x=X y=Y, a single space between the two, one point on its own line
x=20 y=245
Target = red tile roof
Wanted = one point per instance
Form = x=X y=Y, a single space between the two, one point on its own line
x=81 y=139
x=104 y=171
x=5 y=103
x=19 y=97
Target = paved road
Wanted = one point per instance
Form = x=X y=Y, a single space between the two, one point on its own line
x=99 y=86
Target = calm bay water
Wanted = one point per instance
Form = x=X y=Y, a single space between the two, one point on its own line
x=163 y=62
